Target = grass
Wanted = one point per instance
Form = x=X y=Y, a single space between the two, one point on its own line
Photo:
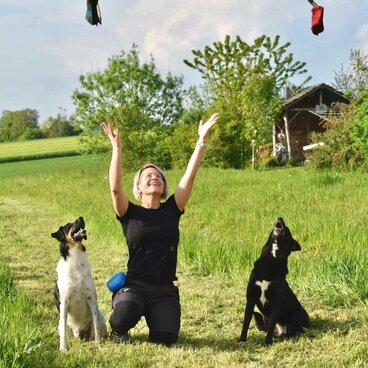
x=17 y=310
x=226 y=222
x=39 y=148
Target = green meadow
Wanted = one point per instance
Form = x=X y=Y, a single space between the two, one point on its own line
x=39 y=148
x=225 y=224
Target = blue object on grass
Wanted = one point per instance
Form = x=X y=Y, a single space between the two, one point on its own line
x=116 y=282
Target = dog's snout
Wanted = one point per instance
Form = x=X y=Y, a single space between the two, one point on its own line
x=80 y=222
x=279 y=223
x=278 y=227
x=77 y=230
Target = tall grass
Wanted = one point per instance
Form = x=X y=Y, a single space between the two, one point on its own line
x=341 y=280
x=20 y=336
x=229 y=216
x=225 y=224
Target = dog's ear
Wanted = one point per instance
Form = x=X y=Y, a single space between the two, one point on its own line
x=295 y=246
x=59 y=235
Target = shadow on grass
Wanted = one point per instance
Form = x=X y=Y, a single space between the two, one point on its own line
x=187 y=341
x=319 y=327
x=221 y=344
x=255 y=342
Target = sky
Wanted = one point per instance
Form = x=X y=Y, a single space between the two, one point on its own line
x=47 y=45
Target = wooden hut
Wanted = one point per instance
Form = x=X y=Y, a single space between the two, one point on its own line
x=302 y=114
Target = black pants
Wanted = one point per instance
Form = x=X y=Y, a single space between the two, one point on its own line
x=160 y=305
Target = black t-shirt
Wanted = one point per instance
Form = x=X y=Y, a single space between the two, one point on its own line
x=152 y=236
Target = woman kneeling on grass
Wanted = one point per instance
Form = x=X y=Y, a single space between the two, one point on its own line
x=152 y=234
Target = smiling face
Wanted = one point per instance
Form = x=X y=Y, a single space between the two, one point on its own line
x=150 y=180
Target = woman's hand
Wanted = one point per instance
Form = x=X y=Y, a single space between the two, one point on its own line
x=184 y=189
x=204 y=128
x=114 y=135
x=119 y=198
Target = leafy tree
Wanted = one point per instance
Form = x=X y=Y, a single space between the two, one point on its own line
x=197 y=103
x=32 y=133
x=134 y=97
x=182 y=142
x=354 y=79
x=246 y=81
x=338 y=149
x=60 y=126
x=346 y=136
x=14 y=123
x=359 y=126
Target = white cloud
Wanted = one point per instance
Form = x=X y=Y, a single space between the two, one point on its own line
x=77 y=59
x=170 y=29
x=51 y=41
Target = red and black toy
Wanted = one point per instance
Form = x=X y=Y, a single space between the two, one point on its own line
x=317 y=18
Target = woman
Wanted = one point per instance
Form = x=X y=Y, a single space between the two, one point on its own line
x=152 y=234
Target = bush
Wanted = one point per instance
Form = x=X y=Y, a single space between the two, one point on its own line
x=181 y=144
x=32 y=133
x=359 y=126
x=339 y=148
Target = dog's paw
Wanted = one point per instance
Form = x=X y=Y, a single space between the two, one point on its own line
x=267 y=342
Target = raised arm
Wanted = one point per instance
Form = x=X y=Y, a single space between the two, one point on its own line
x=184 y=190
x=119 y=198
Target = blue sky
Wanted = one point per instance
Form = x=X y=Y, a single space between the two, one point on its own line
x=47 y=45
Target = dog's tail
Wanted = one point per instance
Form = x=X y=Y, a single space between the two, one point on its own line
x=260 y=322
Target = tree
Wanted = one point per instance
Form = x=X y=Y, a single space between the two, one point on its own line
x=338 y=149
x=60 y=126
x=346 y=136
x=132 y=96
x=197 y=104
x=32 y=133
x=354 y=79
x=13 y=124
x=359 y=125
x=246 y=82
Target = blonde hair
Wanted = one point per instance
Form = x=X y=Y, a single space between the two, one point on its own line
x=137 y=193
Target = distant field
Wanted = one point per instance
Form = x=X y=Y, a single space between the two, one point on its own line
x=39 y=148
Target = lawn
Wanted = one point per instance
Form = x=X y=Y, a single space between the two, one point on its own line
x=226 y=222
x=39 y=148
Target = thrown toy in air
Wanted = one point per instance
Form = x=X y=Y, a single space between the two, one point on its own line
x=93 y=14
x=317 y=18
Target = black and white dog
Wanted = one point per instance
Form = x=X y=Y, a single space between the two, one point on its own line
x=75 y=291
x=281 y=312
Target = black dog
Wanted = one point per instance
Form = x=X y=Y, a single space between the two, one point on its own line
x=281 y=312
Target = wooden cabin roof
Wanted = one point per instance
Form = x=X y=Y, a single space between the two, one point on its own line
x=327 y=91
